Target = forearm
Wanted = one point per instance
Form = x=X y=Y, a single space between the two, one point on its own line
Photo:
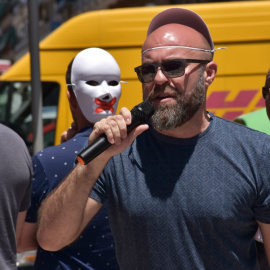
x=64 y=213
x=28 y=239
x=19 y=228
x=265 y=230
x=31 y=244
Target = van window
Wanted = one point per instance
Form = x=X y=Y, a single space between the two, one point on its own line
x=16 y=110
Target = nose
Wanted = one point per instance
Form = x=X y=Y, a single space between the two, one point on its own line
x=105 y=87
x=160 y=78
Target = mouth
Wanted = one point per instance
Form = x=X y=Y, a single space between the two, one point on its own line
x=105 y=106
x=163 y=97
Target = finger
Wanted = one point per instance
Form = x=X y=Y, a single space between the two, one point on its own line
x=126 y=114
x=137 y=131
x=63 y=137
x=118 y=128
x=71 y=133
x=114 y=128
x=73 y=126
x=99 y=129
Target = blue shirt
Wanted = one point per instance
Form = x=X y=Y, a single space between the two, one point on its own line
x=189 y=203
x=94 y=249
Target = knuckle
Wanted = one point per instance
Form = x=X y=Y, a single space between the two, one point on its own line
x=119 y=117
x=113 y=124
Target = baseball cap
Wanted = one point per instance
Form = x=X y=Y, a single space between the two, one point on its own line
x=181 y=16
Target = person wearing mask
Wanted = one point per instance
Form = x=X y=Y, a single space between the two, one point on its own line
x=94 y=90
x=15 y=193
x=187 y=190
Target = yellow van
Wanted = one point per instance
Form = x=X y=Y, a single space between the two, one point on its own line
x=242 y=27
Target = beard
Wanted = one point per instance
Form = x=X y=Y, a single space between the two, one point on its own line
x=170 y=116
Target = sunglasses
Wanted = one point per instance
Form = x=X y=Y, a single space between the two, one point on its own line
x=171 y=69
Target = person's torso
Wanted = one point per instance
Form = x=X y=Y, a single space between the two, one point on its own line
x=94 y=249
x=187 y=203
x=15 y=180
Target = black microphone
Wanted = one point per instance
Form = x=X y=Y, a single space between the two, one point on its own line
x=140 y=114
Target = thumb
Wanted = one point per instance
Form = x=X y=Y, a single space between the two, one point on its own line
x=137 y=131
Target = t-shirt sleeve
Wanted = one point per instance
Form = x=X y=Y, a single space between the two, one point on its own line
x=28 y=173
x=99 y=190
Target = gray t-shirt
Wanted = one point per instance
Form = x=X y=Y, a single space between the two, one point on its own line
x=15 y=191
x=189 y=203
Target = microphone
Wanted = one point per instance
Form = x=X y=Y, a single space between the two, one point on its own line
x=140 y=114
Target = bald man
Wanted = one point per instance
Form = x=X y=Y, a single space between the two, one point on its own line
x=188 y=189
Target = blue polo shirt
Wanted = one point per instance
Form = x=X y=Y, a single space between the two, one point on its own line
x=94 y=249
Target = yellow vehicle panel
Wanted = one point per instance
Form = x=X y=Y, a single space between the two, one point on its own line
x=242 y=27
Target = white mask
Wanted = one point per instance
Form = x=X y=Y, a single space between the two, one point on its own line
x=95 y=79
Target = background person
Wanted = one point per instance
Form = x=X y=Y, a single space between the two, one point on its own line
x=93 y=80
x=186 y=191
x=15 y=193
x=265 y=93
x=264 y=265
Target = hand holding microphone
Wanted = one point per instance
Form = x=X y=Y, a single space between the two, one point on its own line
x=140 y=115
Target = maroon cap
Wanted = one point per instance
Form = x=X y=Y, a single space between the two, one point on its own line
x=181 y=16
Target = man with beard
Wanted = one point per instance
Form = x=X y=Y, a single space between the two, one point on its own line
x=184 y=191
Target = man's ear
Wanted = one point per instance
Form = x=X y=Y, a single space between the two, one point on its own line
x=72 y=99
x=211 y=71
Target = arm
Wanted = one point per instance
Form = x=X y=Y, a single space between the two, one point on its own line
x=28 y=237
x=68 y=209
x=21 y=236
x=265 y=230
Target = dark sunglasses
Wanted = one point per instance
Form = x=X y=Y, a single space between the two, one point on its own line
x=171 y=69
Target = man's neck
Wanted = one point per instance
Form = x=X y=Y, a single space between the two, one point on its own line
x=195 y=126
